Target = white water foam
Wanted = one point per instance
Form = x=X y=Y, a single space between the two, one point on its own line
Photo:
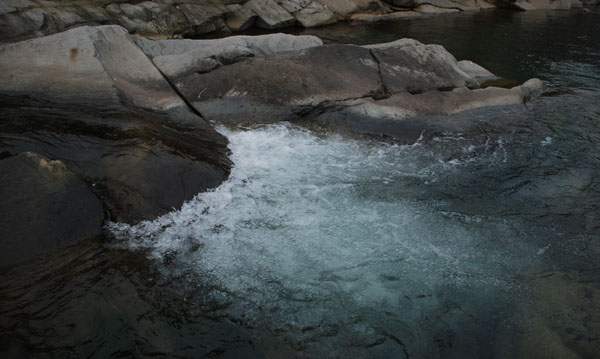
x=303 y=216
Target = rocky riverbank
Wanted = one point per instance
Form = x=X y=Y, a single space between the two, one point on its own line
x=22 y=19
x=98 y=124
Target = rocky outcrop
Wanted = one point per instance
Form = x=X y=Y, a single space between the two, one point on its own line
x=92 y=99
x=124 y=117
x=386 y=83
x=44 y=207
x=22 y=19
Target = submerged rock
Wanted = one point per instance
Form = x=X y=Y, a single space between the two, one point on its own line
x=44 y=206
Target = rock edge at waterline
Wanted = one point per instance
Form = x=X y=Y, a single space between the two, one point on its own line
x=22 y=19
x=131 y=119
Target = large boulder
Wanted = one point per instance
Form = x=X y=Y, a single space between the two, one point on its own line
x=376 y=84
x=408 y=65
x=270 y=14
x=344 y=8
x=44 y=207
x=96 y=102
x=277 y=87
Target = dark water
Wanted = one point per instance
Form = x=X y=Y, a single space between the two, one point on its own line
x=482 y=245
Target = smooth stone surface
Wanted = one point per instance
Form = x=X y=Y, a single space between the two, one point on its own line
x=270 y=14
x=314 y=14
x=344 y=8
x=476 y=71
x=86 y=64
x=179 y=57
x=44 y=207
x=274 y=88
x=430 y=9
x=371 y=18
x=408 y=65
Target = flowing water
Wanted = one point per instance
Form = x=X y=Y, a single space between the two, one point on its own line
x=458 y=246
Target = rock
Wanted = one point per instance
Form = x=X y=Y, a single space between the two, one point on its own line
x=408 y=65
x=140 y=163
x=403 y=80
x=44 y=207
x=33 y=19
x=97 y=103
x=345 y=8
x=475 y=71
x=530 y=88
x=434 y=6
x=430 y=9
x=177 y=58
x=86 y=64
x=274 y=88
x=371 y=18
x=314 y=14
x=270 y=14
x=240 y=18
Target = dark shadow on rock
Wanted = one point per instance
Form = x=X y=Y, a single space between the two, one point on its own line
x=140 y=163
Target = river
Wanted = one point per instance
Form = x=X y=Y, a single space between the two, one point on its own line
x=479 y=245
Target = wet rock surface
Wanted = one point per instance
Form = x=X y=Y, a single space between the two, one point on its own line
x=44 y=207
x=140 y=163
x=91 y=99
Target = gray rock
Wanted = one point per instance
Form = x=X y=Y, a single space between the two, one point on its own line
x=479 y=73
x=44 y=207
x=270 y=14
x=408 y=65
x=372 y=18
x=277 y=87
x=96 y=102
x=437 y=6
x=345 y=8
x=240 y=18
x=86 y=64
x=177 y=58
x=431 y=9
x=20 y=19
x=314 y=14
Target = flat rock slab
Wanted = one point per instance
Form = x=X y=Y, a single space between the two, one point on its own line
x=86 y=64
x=44 y=207
x=276 y=88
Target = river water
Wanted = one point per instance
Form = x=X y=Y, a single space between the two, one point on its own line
x=478 y=245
